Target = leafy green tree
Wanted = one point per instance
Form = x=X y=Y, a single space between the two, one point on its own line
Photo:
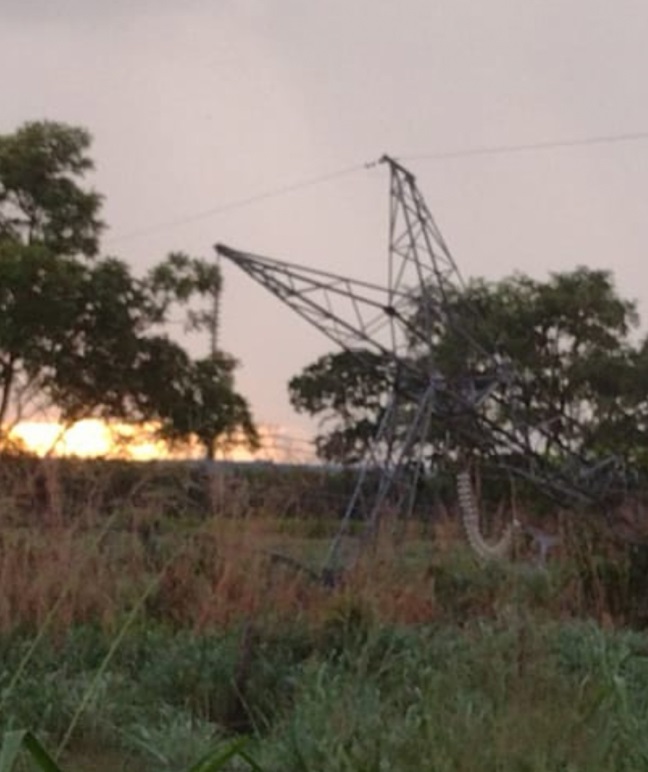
x=85 y=336
x=200 y=402
x=348 y=389
x=566 y=342
x=48 y=222
x=116 y=366
x=203 y=404
x=41 y=199
x=112 y=330
x=37 y=310
x=621 y=418
x=558 y=335
x=178 y=280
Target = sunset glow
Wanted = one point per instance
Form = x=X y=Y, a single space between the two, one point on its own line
x=93 y=438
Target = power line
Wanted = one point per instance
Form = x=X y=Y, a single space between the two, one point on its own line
x=238 y=203
x=485 y=150
x=605 y=139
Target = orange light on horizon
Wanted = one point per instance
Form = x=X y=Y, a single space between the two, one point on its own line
x=90 y=438
x=95 y=438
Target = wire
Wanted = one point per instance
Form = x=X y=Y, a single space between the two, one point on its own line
x=530 y=147
x=312 y=181
x=239 y=203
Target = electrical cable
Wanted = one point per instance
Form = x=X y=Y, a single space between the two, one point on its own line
x=239 y=203
x=486 y=150
x=605 y=139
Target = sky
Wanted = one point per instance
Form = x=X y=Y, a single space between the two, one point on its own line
x=199 y=104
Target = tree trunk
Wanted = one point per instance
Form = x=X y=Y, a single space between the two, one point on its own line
x=7 y=383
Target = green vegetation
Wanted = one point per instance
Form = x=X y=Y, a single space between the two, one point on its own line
x=159 y=633
x=353 y=695
x=80 y=335
x=571 y=340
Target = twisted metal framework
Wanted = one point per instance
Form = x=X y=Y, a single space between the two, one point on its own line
x=399 y=322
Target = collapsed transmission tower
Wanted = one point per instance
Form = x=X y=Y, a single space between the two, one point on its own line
x=400 y=323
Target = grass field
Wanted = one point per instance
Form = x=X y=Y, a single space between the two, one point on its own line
x=141 y=631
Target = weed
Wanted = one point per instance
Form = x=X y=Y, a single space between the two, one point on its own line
x=145 y=616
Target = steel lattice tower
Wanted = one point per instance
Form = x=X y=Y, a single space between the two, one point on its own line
x=399 y=322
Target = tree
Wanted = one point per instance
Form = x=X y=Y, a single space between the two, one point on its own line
x=558 y=335
x=112 y=362
x=80 y=333
x=47 y=221
x=348 y=389
x=179 y=279
x=41 y=199
x=95 y=359
x=566 y=341
x=205 y=405
x=201 y=401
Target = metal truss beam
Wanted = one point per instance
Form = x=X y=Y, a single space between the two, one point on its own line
x=399 y=321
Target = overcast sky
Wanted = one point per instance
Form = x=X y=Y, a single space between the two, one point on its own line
x=200 y=103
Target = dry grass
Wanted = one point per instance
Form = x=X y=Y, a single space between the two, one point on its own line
x=67 y=558
x=213 y=576
x=230 y=638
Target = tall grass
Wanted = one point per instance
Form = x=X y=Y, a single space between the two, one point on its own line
x=159 y=632
x=20 y=743
x=481 y=696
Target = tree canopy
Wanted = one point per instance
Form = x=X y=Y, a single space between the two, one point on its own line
x=80 y=334
x=41 y=199
x=569 y=340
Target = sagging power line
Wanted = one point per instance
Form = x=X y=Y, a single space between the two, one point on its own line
x=486 y=150
x=240 y=203
x=606 y=139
